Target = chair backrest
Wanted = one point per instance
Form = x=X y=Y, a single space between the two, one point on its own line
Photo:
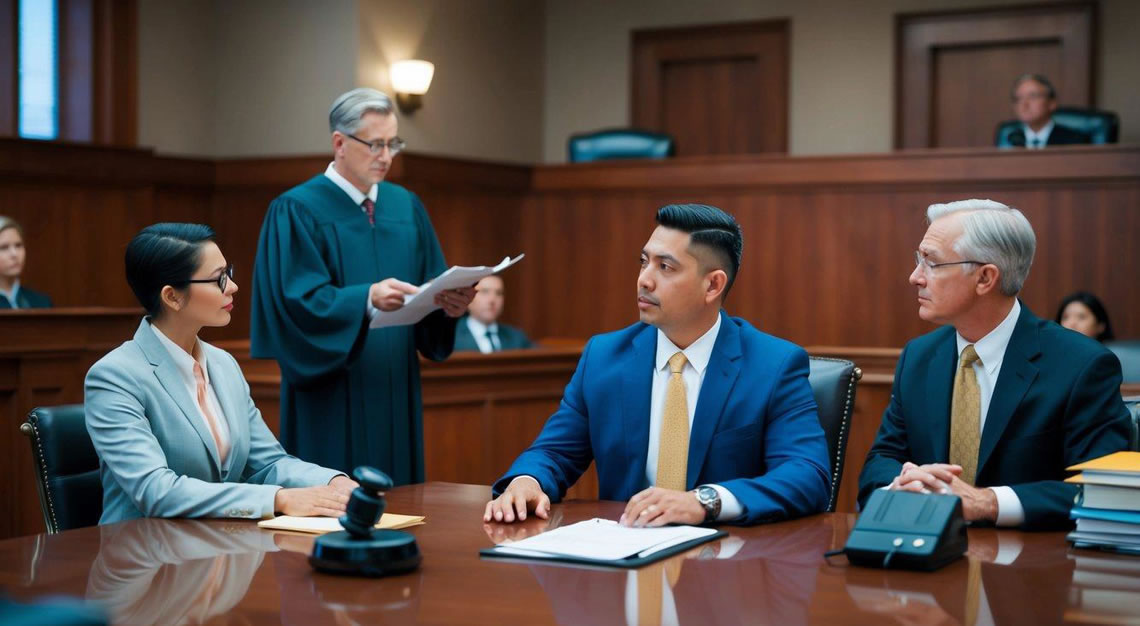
x=67 y=467
x=1101 y=126
x=1133 y=404
x=833 y=384
x=619 y=143
x=1128 y=352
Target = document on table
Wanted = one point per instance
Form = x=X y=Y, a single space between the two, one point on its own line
x=418 y=305
x=603 y=540
x=321 y=525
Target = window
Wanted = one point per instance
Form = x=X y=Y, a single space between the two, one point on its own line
x=38 y=69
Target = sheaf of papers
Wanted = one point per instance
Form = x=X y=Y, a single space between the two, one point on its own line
x=603 y=540
x=418 y=305
x=322 y=525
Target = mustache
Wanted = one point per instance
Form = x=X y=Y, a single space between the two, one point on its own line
x=642 y=294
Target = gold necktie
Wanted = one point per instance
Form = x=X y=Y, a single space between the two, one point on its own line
x=973 y=591
x=965 y=417
x=673 y=449
x=203 y=402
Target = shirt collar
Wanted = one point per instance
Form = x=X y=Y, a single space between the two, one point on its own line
x=12 y=295
x=991 y=348
x=348 y=187
x=480 y=329
x=698 y=353
x=1041 y=135
x=184 y=362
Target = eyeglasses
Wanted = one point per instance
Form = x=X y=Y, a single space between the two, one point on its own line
x=928 y=267
x=221 y=281
x=395 y=145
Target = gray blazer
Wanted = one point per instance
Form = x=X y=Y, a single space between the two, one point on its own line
x=157 y=458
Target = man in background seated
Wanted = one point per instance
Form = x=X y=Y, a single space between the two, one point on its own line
x=691 y=415
x=480 y=329
x=1034 y=100
x=993 y=406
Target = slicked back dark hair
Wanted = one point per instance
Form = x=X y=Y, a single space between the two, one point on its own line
x=1095 y=305
x=164 y=254
x=709 y=227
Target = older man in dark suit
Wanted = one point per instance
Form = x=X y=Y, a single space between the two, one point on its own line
x=996 y=404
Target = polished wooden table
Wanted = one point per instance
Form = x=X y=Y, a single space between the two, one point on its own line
x=174 y=571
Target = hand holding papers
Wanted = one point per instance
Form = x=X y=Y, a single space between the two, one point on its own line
x=322 y=525
x=417 y=306
x=605 y=542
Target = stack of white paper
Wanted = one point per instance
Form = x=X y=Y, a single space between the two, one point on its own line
x=418 y=305
x=603 y=540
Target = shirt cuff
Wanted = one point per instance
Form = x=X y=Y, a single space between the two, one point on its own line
x=267 y=512
x=730 y=507
x=516 y=479
x=1009 y=511
x=368 y=306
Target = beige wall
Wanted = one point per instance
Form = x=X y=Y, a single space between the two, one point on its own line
x=485 y=101
x=842 y=64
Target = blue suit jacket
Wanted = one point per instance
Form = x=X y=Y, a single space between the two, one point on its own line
x=1056 y=403
x=755 y=431
x=157 y=458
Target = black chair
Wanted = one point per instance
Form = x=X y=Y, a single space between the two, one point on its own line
x=833 y=385
x=619 y=143
x=67 y=467
x=1133 y=404
x=1101 y=126
x=1128 y=351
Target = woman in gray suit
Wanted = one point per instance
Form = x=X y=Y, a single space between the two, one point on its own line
x=171 y=416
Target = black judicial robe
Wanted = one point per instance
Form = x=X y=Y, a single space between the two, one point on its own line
x=350 y=396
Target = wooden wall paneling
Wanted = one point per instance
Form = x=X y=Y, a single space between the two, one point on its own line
x=719 y=89
x=9 y=71
x=950 y=67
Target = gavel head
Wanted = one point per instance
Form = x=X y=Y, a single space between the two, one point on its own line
x=366 y=504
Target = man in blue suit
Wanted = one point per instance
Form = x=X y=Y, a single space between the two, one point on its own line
x=993 y=406
x=690 y=415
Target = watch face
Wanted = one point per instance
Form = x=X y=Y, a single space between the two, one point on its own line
x=707 y=494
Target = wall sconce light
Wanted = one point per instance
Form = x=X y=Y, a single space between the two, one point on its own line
x=410 y=80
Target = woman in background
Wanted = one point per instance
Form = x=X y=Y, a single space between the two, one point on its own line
x=12 y=257
x=1084 y=313
x=171 y=417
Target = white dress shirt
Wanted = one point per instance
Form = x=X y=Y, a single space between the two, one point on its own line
x=991 y=352
x=184 y=363
x=1037 y=140
x=11 y=296
x=358 y=199
x=693 y=374
x=479 y=331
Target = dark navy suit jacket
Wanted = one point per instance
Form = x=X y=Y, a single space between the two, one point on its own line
x=28 y=299
x=1056 y=403
x=510 y=338
x=755 y=430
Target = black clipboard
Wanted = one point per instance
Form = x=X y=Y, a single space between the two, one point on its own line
x=629 y=562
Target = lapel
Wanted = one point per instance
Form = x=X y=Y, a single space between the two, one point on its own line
x=722 y=372
x=229 y=397
x=939 y=393
x=1016 y=375
x=171 y=381
x=636 y=389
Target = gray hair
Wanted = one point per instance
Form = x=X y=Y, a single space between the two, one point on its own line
x=346 y=111
x=993 y=233
x=7 y=222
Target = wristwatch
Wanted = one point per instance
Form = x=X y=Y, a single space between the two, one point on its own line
x=710 y=500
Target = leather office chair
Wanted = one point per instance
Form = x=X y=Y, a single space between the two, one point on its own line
x=67 y=467
x=833 y=385
x=1101 y=126
x=1133 y=404
x=619 y=143
x=1129 y=354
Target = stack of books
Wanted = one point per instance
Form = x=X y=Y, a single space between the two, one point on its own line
x=1105 y=589
x=1108 y=508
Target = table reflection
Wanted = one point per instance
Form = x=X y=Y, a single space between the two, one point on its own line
x=174 y=572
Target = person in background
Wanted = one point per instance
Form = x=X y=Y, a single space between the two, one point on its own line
x=1084 y=313
x=12 y=258
x=1034 y=100
x=480 y=329
x=171 y=417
